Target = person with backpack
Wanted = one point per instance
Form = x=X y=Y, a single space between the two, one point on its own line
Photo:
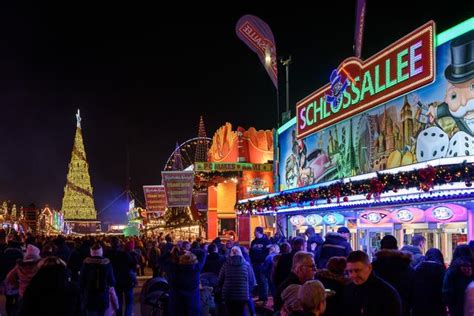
x=96 y=279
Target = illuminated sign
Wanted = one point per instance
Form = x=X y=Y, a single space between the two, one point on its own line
x=297 y=220
x=333 y=219
x=404 y=215
x=442 y=213
x=374 y=217
x=314 y=219
x=237 y=166
x=404 y=66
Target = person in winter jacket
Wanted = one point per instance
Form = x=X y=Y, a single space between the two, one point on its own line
x=8 y=260
x=393 y=266
x=51 y=292
x=427 y=285
x=368 y=294
x=335 y=245
x=236 y=280
x=258 y=253
x=273 y=250
x=314 y=242
x=284 y=264
x=24 y=271
x=95 y=280
x=303 y=269
x=333 y=278
x=214 y=260
x=183 y=271
x=417 y=243
x=457 y=278
x=124 y=268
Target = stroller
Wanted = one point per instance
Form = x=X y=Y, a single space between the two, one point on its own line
x=154 y=297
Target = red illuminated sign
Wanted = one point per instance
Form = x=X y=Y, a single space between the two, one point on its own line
x=406 y=65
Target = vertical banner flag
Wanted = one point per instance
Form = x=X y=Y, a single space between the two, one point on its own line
x=259 y=37
x=359 y=28
x=155 y=199
x=178 y=187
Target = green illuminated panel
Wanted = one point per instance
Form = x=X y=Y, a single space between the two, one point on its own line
x=287 y=125
x=455 y=31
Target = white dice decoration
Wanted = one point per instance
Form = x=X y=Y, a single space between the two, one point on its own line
x=431 y=143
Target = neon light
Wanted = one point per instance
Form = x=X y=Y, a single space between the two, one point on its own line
x=455 y=31
x=442 y=213
x=333 y=219
x=389 y=57
x=441 y=38
x=314 y=219
x=404 y=215
x=287 y=125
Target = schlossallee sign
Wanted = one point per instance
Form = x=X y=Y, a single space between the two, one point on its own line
x=357 y=85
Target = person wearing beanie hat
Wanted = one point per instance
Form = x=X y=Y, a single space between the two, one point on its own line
x=24 y=271
x=394 y=267
x=96 y=279
x=335 y=245
x=32 y=253
x=97 y=251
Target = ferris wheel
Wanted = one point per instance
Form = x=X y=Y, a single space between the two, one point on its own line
x=188 y=151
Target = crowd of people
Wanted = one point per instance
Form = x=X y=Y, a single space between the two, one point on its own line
x=305 y=275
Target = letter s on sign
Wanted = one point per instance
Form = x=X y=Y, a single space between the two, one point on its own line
x=303 y=118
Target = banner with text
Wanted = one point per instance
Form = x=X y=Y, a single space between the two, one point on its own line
x=258 y=36
x=178 y=187
x=236 y=166
x=155 y=199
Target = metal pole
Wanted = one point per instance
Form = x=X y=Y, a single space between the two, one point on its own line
x=287 y=63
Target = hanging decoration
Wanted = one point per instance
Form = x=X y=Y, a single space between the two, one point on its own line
x=423 y=179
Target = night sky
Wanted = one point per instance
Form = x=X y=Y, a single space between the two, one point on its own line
x=142 y=76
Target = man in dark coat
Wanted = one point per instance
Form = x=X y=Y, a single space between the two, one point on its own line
x=393 y=266
x=258 y=253
x=125 y=276
x=367 y=294
x=335 y=245
x=214 y=260
x=416 y=247
x=95 y=280
x=284 y=263
x=303 y=269
x=314 y=241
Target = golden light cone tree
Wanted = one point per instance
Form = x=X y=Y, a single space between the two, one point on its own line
x=78 y=200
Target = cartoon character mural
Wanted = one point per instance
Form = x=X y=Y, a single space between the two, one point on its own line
x=433 y=122
x=458 y=105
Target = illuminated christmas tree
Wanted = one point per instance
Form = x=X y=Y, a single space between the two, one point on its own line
x=78 y=201
x=202 y=147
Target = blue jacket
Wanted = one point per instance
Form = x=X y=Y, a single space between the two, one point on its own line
x=259 y=250
x=96 y=277
x=236 y=279
x=335 y=245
